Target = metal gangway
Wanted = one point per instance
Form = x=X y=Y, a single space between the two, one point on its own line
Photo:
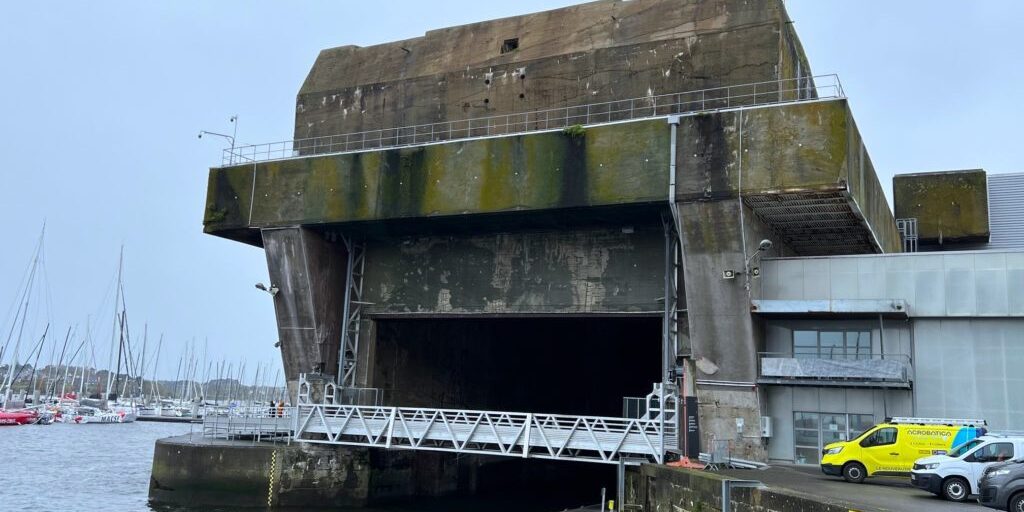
x=256 y=423
x=593 y=439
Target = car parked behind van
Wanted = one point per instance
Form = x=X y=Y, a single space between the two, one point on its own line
x=1002 y=486
x=955 y=476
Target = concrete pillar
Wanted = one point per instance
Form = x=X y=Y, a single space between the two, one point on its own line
x=724 y=340
x=308 y=272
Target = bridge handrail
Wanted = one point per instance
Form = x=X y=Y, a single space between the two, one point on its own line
x=773 y=92
x=551 y=436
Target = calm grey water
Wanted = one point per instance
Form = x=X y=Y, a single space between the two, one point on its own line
x=106 y=468
x=79 y=467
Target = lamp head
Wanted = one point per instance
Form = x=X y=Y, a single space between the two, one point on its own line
x=200 y=135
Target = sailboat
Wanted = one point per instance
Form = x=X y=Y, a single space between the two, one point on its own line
x=11 y=410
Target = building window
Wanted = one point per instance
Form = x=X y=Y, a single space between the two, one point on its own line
x=812 y=431
x=822 y=344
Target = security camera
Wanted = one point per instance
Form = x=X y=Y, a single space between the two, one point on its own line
x=261 y=286
x=765 y=245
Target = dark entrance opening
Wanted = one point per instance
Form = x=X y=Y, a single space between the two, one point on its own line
x=560 y=365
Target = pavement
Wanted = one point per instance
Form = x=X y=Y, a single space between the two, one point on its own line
x=874 y=495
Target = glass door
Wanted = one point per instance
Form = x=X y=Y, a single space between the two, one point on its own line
x=807 y=437
x=812 y=431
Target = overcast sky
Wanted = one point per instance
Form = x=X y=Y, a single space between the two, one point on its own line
x=100 y=104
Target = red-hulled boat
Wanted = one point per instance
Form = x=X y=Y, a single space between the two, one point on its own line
x=18 y=417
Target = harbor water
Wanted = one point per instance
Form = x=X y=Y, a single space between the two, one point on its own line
x=106 y=467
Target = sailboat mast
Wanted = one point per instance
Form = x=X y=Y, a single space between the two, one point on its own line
x=114 y=327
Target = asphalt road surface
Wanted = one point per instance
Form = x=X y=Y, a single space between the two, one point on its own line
x=874 y=495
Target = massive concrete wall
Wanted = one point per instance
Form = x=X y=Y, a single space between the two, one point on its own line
x=594 y=52
x=588 y=270
x=308 y=272
x=806 y=148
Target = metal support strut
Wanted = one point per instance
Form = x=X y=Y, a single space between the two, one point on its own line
x=348 y=356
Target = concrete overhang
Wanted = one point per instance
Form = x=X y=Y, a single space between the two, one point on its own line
x=897 y=308
x=800 y=166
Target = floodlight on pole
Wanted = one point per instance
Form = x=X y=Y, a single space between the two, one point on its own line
x=230 y=138
x=272 y=289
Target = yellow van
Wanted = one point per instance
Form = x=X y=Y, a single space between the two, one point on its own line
x=890 y=448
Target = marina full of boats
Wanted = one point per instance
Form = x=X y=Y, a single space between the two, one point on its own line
x=70 y=409
x=70 y=386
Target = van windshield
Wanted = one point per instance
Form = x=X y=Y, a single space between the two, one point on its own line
x=959 y=451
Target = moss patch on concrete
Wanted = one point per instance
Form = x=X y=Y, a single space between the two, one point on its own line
x=602 y=166
x=949 y=206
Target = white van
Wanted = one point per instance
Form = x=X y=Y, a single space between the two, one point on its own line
x=955 y=475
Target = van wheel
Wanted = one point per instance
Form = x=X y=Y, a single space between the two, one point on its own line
x=854 y=472
x=955 y=489
x=1016 y=503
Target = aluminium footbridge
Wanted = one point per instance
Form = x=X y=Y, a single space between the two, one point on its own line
x=594 y=439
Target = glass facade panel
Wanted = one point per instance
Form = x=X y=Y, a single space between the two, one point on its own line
x=812 y=431
x=806 y=420
x=860 y=423
x=832 y=345
x=833 y=428
x=805 y=344
x=807 y=456
x=807 y=437
x=858 y=344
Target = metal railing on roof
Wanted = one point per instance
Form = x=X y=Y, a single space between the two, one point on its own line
x=790 y=90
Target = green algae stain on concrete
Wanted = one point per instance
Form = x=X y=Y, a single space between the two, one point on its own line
x=228 y=195
x=949 y=206
x=628 y=166
x=606 y=165
x=802 y=146
x=542 y=160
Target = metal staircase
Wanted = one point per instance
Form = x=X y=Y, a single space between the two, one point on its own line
x=348 y=357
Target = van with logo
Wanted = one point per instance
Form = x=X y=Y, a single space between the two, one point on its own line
x=892 y=447
x=955 y=476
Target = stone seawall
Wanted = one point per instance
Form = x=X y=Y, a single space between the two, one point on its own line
x=652 y=487
x=202 y=472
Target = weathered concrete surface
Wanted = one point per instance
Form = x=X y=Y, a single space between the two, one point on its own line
x=566 y=272
x=588 y=53
x=190 y=470
x=681 y=490
x=950 y=206
x=607 y=165
x=724 y=340
x=798 y=149
x=309 y=272
x=793 y=153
